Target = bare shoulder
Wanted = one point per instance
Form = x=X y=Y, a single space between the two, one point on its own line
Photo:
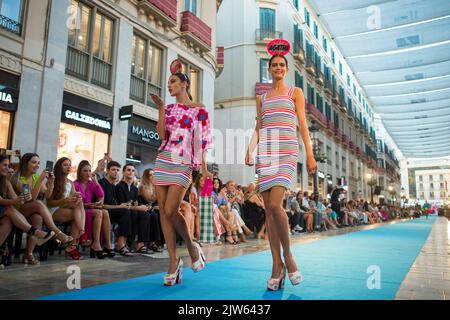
x=199 y=105
x=298 y=92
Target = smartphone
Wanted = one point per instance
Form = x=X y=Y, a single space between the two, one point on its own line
x=26 y=188
x=49 y=166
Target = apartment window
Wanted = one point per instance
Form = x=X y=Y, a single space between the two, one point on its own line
x=421 y=186
x=267 y=20
x=354 y=89
x=192 y=6
x=90 y=45
x=264 y=71
x=348 y=79
x=442 y=195
x=344 y=164
x=298 y=80
x=337 y=159
x=430 y=177
x=441 y=177
x=316 y=30
x=195 y=75
x=420 y=178
x=298 y=38
x=319 y=103
x=333 y=58
x=307 y=18
x=336 y=119
x=328 y=111
x=146 y=70
x=310 y=94
x=442 y=185
x=352 y=169
x=422 y=196
x=340 y=68
x=295 y=3
x=431 y=185
x=432 y=195
x=11 y=15
x=324 y=43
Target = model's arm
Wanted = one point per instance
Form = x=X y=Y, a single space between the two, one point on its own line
x=300 y=107
x=255 y=137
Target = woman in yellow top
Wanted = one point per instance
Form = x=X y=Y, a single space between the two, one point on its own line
x=29 y=166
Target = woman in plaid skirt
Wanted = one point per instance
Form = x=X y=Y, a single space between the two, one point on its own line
x=185 y=131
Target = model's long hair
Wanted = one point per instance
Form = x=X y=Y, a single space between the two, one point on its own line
x=60 y=179
x=184 y=78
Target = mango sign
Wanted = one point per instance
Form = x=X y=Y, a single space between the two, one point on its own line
x=279 y=46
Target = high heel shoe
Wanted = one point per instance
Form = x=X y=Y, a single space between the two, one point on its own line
x=198 y=265
x=97 y=254
x=295 y=277
x=41 y=241
x=274 y=284
x=174 y=278
x=74 y=253
x=63 y=238
x=109 y=253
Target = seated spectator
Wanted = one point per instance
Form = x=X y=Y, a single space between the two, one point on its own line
x=97 y=219
x=28 y=175
x=127 y=192
x=66 y=205
x=235 y=208
x=226 y=219
x=147 y=196
x=326 y=219
x=317 y=214
x=309 y=213
x=254 y=211
x=204 y=187
x=9 y=215
x=297 y=224
x=118 y=212
x=333 y=216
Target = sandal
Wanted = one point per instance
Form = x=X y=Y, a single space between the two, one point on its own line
x=30 y=260
x=63 y=238
x=155 y=248
x=144 y=250
x=124 y=251
x=227 y=239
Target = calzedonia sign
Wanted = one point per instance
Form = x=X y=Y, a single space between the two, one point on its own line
x=86 y=119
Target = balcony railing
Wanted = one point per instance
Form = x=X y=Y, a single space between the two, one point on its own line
x=196 y=31
x=77 y=63
x=330 y=126
x=152 y=89
x=345 y=140
x=337 y=133
x=320 y=78
x=299 y=53
x=10 y=25
x=310 y=66
x=336 y=98
x=265 y=36
x=328 y=88
x=343 y=105
x=351 y=146
x=101 y=73
x=137 y=89
x=316 y=114
x=350 y=114
x=163 y=10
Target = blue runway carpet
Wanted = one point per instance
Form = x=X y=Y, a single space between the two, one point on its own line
x=334 y=268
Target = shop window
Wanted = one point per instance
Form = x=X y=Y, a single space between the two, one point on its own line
x=5 y=124
x=77 y=144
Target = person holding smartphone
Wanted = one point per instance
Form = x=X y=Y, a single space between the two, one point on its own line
x=34 y=188
x=185 y=130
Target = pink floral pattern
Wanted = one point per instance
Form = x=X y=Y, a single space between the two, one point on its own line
x=188 y=134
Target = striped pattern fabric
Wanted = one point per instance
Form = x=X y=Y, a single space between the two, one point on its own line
x=206 y=219
x=170 y=171
x=276 y=160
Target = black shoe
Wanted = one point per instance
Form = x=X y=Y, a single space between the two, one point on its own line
x=109 y=253
x=97 y=254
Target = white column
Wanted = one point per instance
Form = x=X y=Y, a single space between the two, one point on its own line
x=119 y=138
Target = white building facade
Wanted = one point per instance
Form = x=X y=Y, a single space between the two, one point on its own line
x=334 y=98
x=71 y=65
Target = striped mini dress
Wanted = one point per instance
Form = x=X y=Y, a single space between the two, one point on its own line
x=187 y=136
x=276 y=159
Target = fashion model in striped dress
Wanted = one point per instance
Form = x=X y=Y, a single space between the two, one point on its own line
x=184 y=129
x=276 y=138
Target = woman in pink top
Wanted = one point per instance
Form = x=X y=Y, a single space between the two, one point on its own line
x=184 y=128
x=92 y=195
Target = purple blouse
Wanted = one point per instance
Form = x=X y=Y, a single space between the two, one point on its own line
x=92 y=191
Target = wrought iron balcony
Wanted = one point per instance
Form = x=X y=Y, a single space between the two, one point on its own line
x=316 y=114
x=328 y=88
x=310 y=66
x=336 y=98
x=320 y=78
x=10 y=25
x=345 y=140
x=343 y=105
x=262 y=87
x=265 y=36
x=299 y=53
x=163 y=10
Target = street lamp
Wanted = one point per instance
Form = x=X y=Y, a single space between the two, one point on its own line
x=371 y=182
x=403 y=197
x=314 y=129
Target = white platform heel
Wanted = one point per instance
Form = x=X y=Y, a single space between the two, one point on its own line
x=274 y=284
x=199 y=265
x=175 y=278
